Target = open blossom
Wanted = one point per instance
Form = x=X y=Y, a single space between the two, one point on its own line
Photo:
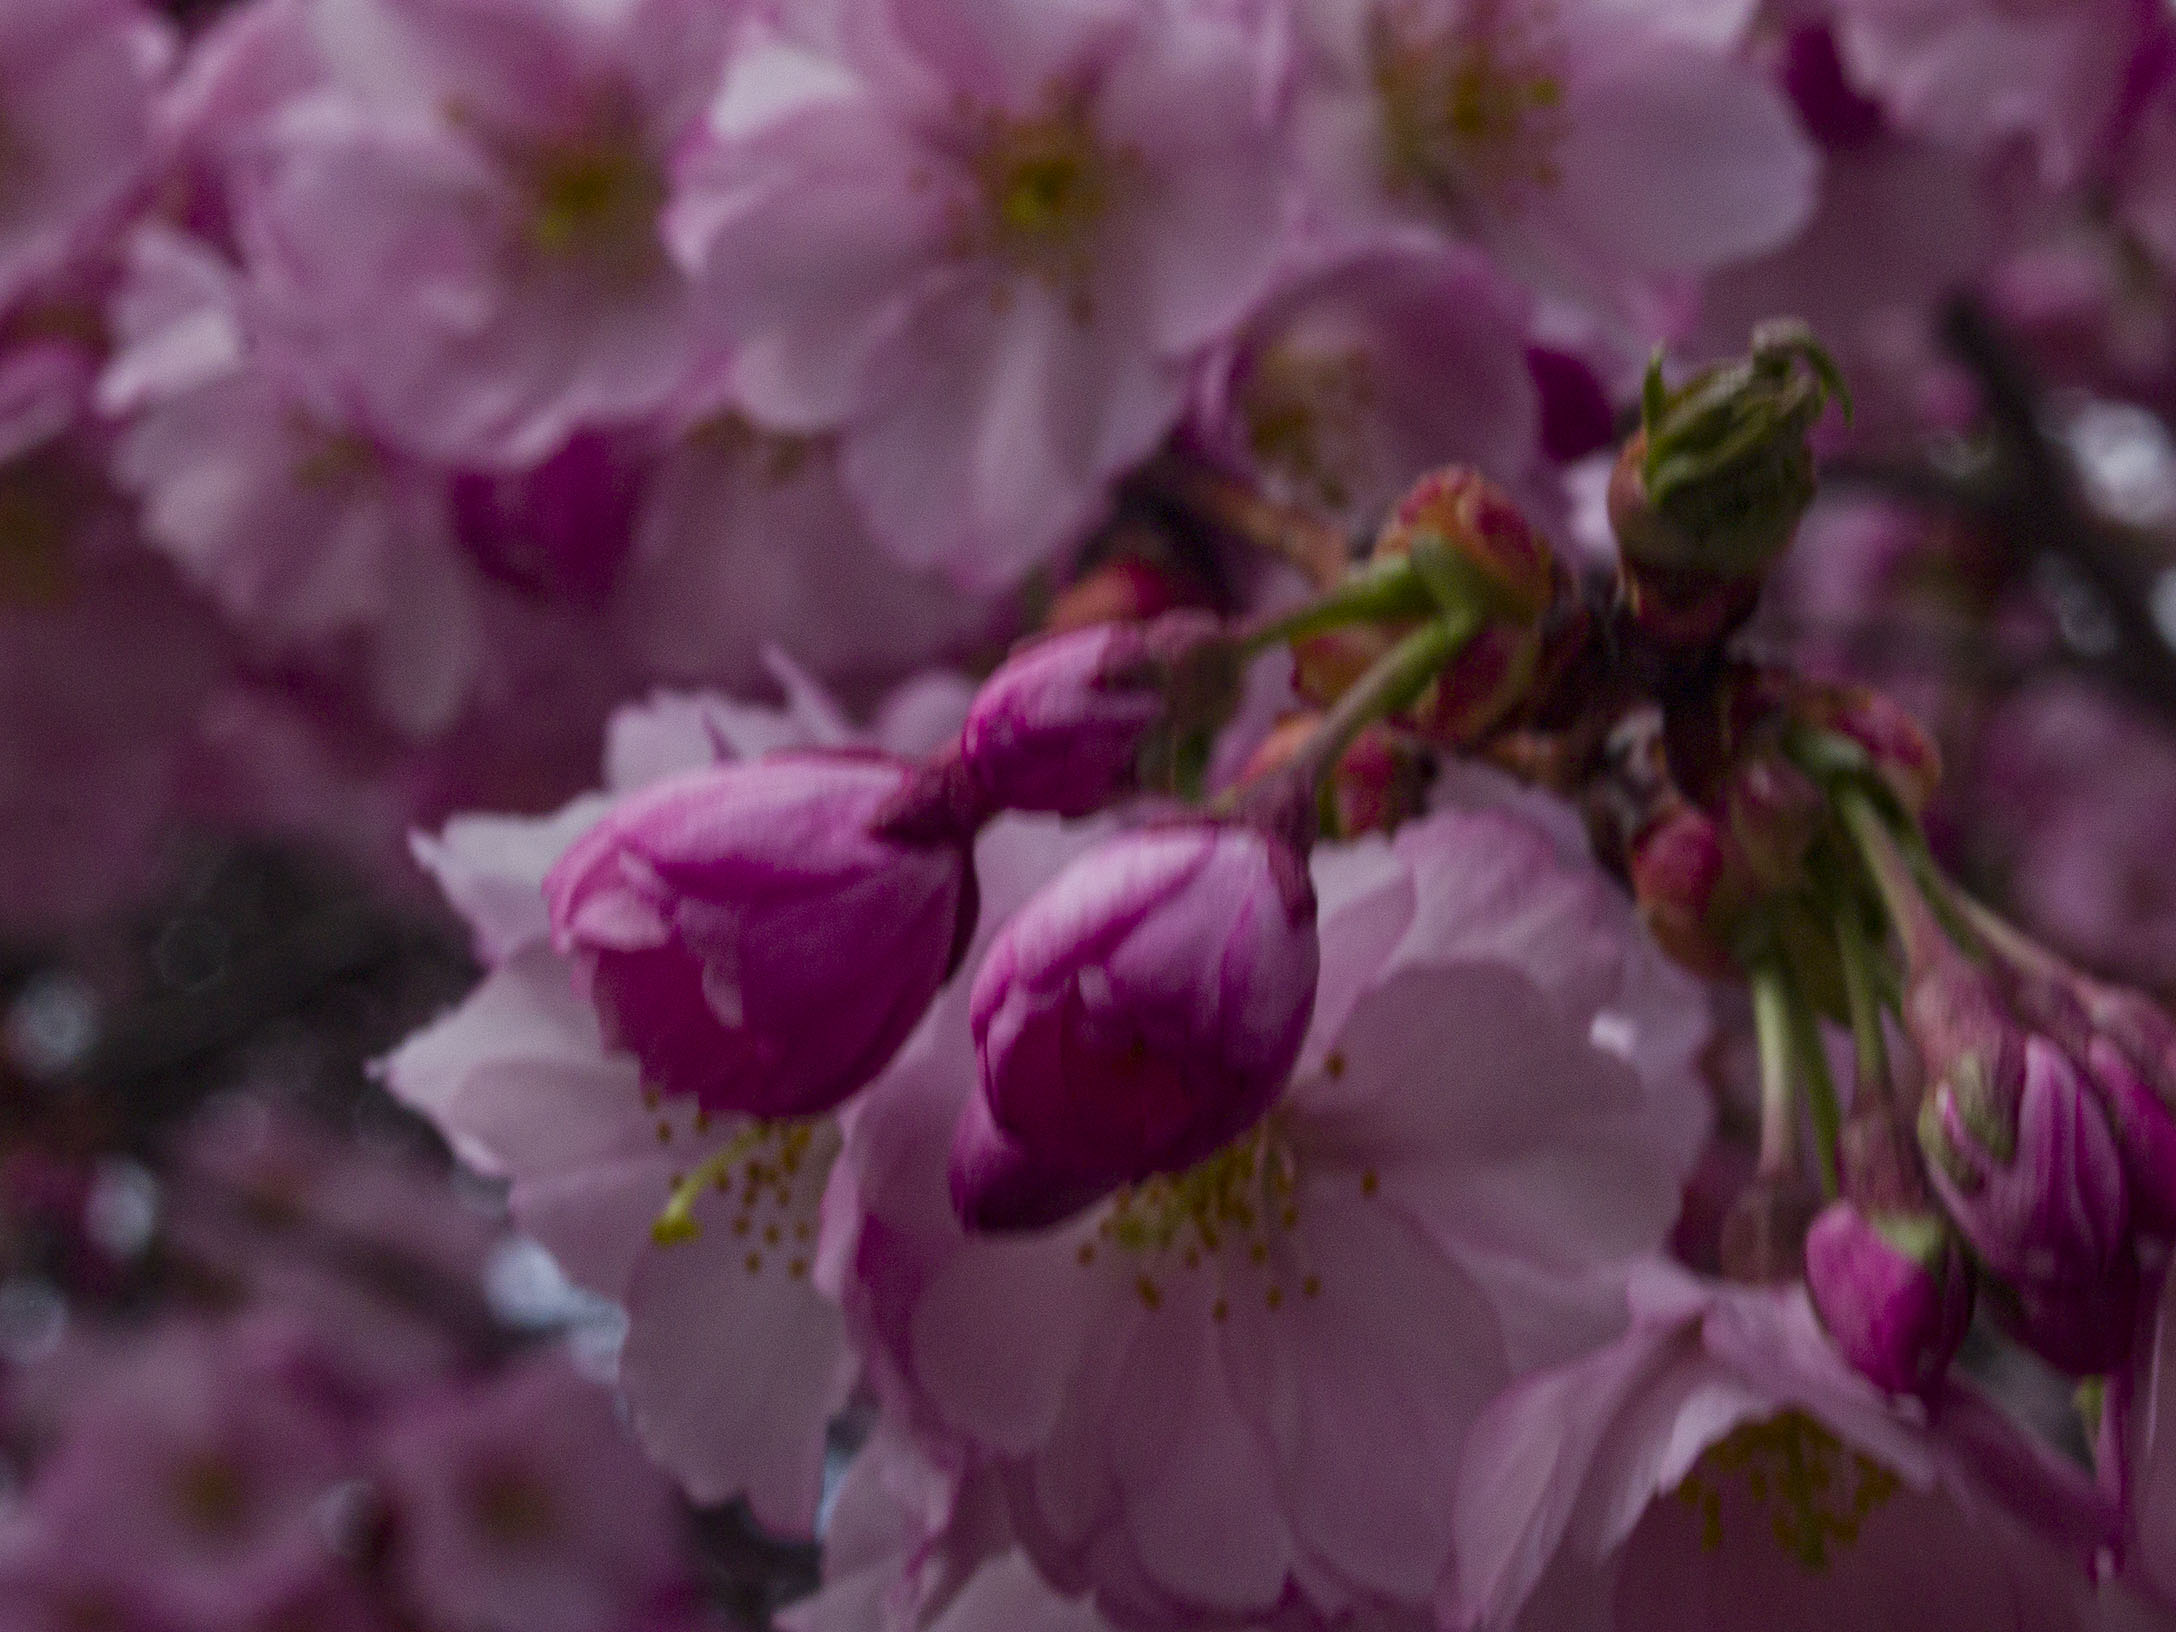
x=466 y=216
x=78 y=78
x=253 y=476
x=104 y=664
x=1226 y=1389
x=1358 y=375
x=523 y=1506
x=1605 y=148
x=743 y=538
x=187 y=1493
x=1719 y=1466
x=735 y=1361
x=984 y=242
x=1975 y=74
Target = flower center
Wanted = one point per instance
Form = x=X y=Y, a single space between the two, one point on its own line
x=511 y=1507
x=1232 y=1215
x=595 y=199
x=1309 y=413
x=210 y=1495
x=328 y=460
x=1473 y=114
x=763 y=1184
x=39 y=498
x=1044 y=185
x=1814 y=1491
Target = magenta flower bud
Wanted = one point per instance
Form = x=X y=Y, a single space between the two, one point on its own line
x=763 y=936
x=1140 y=1012
x=2084 y=1330
x=2020 y=1152
x=1061 y=725
x=1894 y=1291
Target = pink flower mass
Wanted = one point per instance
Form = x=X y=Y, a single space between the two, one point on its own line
x=1087 y=815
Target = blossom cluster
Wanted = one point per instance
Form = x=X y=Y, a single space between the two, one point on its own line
x=1273 y=910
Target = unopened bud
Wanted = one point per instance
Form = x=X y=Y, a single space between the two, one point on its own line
x=1062 y=724
x=1775 y=811
x=1377 y=783
x=1897 y=747
x=1692 y=889
x=1720 y=471
x=1894 y=1291
x=1464 y=515
x=1886 y=1269
x=1141 y=1011
x=763 y=936
x=2016 y=1143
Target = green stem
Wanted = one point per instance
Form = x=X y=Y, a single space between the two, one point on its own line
x=1915 y=922
x=1812 y=1061
x=1772 y=1030
x=1862 y=994
x=1388 y=591
x=1393 y=681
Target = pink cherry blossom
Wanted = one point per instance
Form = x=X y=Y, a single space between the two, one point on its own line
x=78 y=78
x=1602 y=147
x=984 y=241
x=523 y=1505
x=1357 y=376
x=1975 y=74
x=257 y=481
x=735 y=1359
x=466 y=218
x=186 y=1493
x=269 y=1201
x=746 y=538
x=1244 y=1385
x=103 y=665
x=1720 y=1466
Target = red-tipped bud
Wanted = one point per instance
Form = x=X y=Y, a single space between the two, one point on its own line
x=1463 y=513
x=1774 y=811
x=1142 y=1010
x=1896 y=746
x=1377 y=783
x=1692 y=888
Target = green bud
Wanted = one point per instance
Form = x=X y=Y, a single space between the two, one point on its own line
x=1719 y=473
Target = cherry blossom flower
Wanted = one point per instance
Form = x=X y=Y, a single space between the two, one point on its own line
x=1357 y=376
x=1720 y=1465
x=1599 y=147
x=984 y=241
x=1974 y=75
x=257 y=480
x=1242 y=1385
x=735 y=1360
x=744 y=538
x=524 y=1507
x=186 y=1491
x=76 y=82
x=465 y=219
